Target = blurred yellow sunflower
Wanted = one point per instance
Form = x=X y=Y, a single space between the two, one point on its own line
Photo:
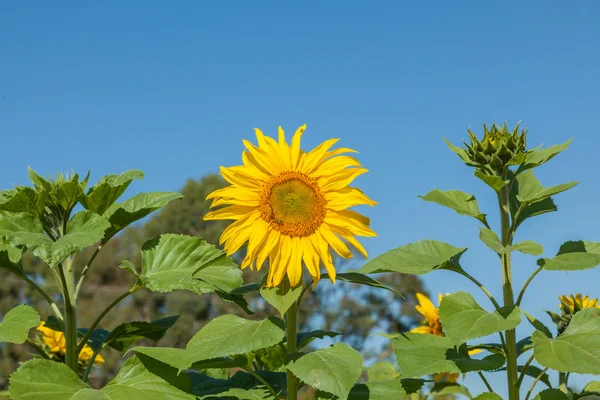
x=432 y=326
x=574 y=303
x=56 y=342
x=291 y=207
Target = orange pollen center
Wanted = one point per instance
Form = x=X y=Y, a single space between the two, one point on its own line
x=292 y=204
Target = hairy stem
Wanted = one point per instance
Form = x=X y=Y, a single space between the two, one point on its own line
x=524 y=371
x=37 y=348
x=537 y=379
x=485 y=381
x=291 y=322
x=483 y=288
x=86 y=269
x=511 y=337
x=261 y=380
x=522 y=293
x=104 y=312
x=72 y=353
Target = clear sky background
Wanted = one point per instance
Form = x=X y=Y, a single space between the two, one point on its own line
x=172 y=88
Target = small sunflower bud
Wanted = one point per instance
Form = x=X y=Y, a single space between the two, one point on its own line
x=498 y=149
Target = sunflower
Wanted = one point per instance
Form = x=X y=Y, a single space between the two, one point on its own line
x=573 y=303
x=432 y=326
x=55 y=340
x=291 y=207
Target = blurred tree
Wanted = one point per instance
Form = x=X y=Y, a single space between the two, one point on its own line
x=356 y=313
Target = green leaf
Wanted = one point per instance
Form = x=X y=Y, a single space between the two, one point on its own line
x=462 y=203
x=281 y=297
x=334 y=369
x=178 y=262
x=573 y=256
x=524 y=345
x=495 y=182
x=128 y=265
x=463 y=319
x=221 y=362
x=537 y=324
x=83 y=230
x=16 y=324
x=592 y=387
x=229 y=335
x=141 y=380
x=108 y=189
x=226 y=335
x=304 y=338
x=24 y=229
x=45 y=379
x=128 y=333
x=382 y=371
x=421 y=354
x=22 y=199
x=551 y=394
x=237 y=299
x=362 y=279
x=530 y=189
x=10 y=257
x=381 y=390
x=535 y=158
x=528 y=183
x=447 y=388
x=415 y=258
x=460 y=152
x=123 y=214
x=492 y=241
x=240 y=386
x=577 y=349
x=487 y=396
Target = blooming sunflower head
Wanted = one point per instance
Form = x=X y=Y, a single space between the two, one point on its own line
x=291 y=207
x=573 y=303
x=431 y=314
x=57 y=345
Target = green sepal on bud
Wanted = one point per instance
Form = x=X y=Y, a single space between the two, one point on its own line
x=499 y=148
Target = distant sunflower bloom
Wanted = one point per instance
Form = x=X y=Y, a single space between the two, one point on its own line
x=291 y=207
x=574 y=303
x=57 y=344
x=432 y=326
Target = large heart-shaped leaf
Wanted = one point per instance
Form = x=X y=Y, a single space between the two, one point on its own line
x=123 y=214
x=422 y=354
x=487 y=396
x=573 y=256
x=16 y=324
x=334 y=369
x=22 y=199
x=178 y=262
x=576 y=350
x=461 y=202
x=531 y=190
x=50 y=380
x=224 y=336
x=108 y=189
x=414 y=258
x=463 y=319
x=83 y=230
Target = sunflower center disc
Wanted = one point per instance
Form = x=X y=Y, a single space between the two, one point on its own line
x=293 y=204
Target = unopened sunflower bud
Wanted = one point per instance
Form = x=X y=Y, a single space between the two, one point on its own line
x=498 y=149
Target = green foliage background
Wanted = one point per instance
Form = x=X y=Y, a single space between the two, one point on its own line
x=355 y=313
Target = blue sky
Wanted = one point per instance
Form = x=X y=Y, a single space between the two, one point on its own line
x=172 y=90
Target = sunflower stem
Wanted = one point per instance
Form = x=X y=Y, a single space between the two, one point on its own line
x=511 y=337
x=72 y=360
x=291 y=330
x=562 y=382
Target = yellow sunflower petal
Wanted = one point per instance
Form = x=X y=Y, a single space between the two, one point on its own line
x=341 y=179
x=316 y=155
x=295 y=147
